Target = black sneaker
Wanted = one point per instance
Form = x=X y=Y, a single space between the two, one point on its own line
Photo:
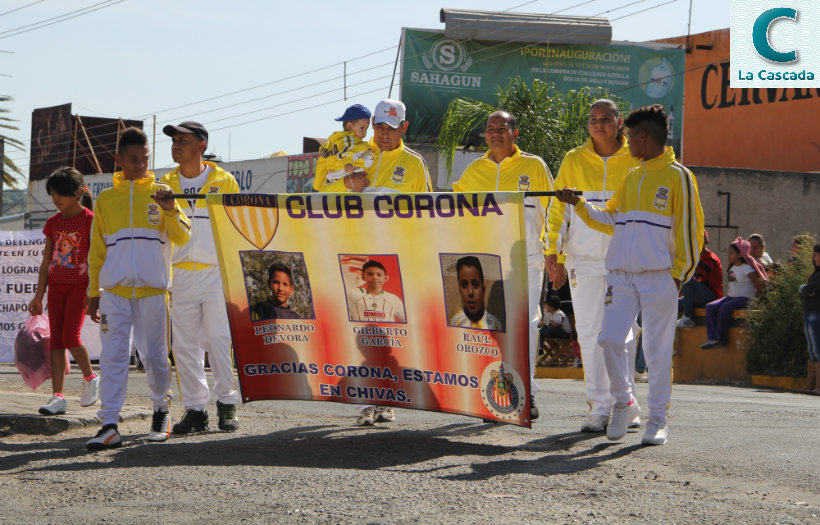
x=227 y=417
x=533 y=409
x=192 y=421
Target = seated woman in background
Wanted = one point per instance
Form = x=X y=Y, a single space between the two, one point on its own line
x=745 y=278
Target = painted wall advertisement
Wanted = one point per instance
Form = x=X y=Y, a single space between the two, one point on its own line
x=437 y=69
x=379 y=299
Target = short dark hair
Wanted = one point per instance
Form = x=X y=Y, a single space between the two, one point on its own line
x=371 y=264
x=66 y=181
x=554 y=301
x=279 y=267
x=510 y=118
x=131 y=136
x=651 y=119
x=470 y=260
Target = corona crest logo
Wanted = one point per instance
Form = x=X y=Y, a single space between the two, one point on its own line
x=255 y=216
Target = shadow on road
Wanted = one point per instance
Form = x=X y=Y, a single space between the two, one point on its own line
x=329 y=447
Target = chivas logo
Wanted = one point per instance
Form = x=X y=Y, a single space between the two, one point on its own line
x=398 y=174
x=153 y=213
x=608 y=297
x=502 y=391
x=661 y=198
x=524 y=183
x=213 y=189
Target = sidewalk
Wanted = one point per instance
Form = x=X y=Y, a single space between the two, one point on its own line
x=19 y=408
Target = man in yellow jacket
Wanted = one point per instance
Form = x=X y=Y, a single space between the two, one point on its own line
x=657 y=224
x=198 y=315
x=396 y=168
x=507 y=168
x=129 y=267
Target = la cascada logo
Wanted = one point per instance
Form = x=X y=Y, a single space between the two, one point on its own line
x=774 y=45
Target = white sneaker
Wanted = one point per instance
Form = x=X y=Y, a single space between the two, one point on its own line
x=90 y=391
x=107 y=437
x=595 y=423
x=622 y=416
x=384 y=414
x=656 y=433
x=367 y=418
x=160 y=426
x=711 y=343
x=641 y=377
x=636 y=423
x=685 y=322
x=55 y=405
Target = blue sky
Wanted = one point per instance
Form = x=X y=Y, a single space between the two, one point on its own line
x=259 y=76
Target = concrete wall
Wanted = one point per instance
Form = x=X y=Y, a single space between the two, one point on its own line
x=776 y=204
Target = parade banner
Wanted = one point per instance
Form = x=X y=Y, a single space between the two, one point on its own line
x=405 y=300
x=21 y=253
x=437 y=69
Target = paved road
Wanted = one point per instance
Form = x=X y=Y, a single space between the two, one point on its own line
x=736 y=455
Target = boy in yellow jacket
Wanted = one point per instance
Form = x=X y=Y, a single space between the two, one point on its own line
x=658 y=234
x=129 y=268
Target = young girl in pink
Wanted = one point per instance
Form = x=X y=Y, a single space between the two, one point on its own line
x=64 y=272
x=745 y=278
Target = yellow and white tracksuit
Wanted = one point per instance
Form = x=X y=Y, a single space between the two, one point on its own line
x=132 y=240
x=583 y=250
x=341 y=148
x=656 y=221
x=401 y=170
x=199 y=317
x=519 y=172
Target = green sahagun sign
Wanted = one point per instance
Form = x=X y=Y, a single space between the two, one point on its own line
x=437 y=69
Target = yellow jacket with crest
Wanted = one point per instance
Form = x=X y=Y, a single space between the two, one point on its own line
x=132 y=239
x=655 y=217
x=583 y=169
x=200 y=251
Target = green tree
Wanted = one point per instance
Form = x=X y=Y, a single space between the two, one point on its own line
x=10 y=170
x=775 y=322
x=550 y=122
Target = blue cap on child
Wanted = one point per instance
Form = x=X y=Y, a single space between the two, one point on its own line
x=354 y=112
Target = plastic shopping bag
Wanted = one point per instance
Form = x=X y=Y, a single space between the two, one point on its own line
x=32 y=353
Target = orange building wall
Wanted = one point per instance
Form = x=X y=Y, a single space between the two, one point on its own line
x=765 y=129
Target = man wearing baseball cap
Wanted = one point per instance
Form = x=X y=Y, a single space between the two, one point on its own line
x=396 y=168
x=198 y=313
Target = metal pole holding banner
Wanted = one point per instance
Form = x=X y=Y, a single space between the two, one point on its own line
x=526 y=194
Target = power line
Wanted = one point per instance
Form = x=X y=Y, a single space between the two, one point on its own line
x=22 y=7
x=367 y=69
x=431 y=35
x=57 y=19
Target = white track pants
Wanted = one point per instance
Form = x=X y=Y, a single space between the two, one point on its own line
x=655 y=295
x=200 y=324
x=147 y=319
x=535 y=280
x=588 y=289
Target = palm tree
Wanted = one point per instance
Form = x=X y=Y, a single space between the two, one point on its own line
x=10 y=170
x=550 y=122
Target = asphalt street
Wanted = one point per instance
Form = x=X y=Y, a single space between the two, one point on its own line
x=735 y=455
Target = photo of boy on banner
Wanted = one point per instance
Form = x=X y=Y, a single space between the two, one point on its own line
x=373 y=288
x=473 y=291
x=277 y=285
